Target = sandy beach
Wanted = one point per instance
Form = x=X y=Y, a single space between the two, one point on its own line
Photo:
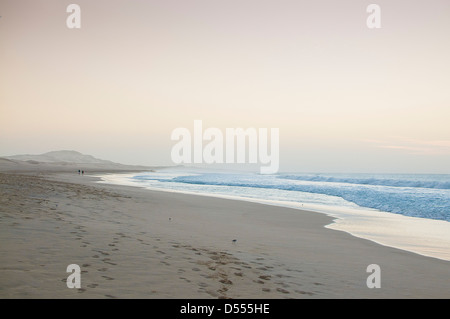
x=225 y=150
x=135 y=243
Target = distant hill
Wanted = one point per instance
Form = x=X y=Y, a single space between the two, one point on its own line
x=60 y=157
x=64 y=161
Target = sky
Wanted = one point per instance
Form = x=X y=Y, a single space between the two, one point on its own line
x=345 y=98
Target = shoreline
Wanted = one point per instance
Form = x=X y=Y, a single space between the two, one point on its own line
x=377 y=226
x=136 y=243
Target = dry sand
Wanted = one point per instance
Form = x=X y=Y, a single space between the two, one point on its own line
x=135 y=243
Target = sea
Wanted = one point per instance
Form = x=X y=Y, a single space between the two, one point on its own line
x=406 y=211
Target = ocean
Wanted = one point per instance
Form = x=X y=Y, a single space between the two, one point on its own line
x=417 y=204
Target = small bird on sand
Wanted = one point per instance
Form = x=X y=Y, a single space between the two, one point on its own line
x=234 y=241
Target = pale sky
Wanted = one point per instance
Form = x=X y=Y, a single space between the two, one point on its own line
x=346 y=98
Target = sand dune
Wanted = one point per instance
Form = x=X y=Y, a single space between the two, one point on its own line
x=60 y=157
x=63 y=161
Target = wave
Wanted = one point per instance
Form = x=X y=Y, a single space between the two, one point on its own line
x=409 y=201
x=417 y=181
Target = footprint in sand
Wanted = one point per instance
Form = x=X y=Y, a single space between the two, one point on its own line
x=318 y=284
x=261 y=268
x=283 y=276
x=295 y=270
x=185 y=279
x=222 y=290
x=226 y=281
x=284 y=285
x=142 y=241
x=102 y=252
x=304 y=292
x=108 y=278
x=284 y=291
x=264 y=277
